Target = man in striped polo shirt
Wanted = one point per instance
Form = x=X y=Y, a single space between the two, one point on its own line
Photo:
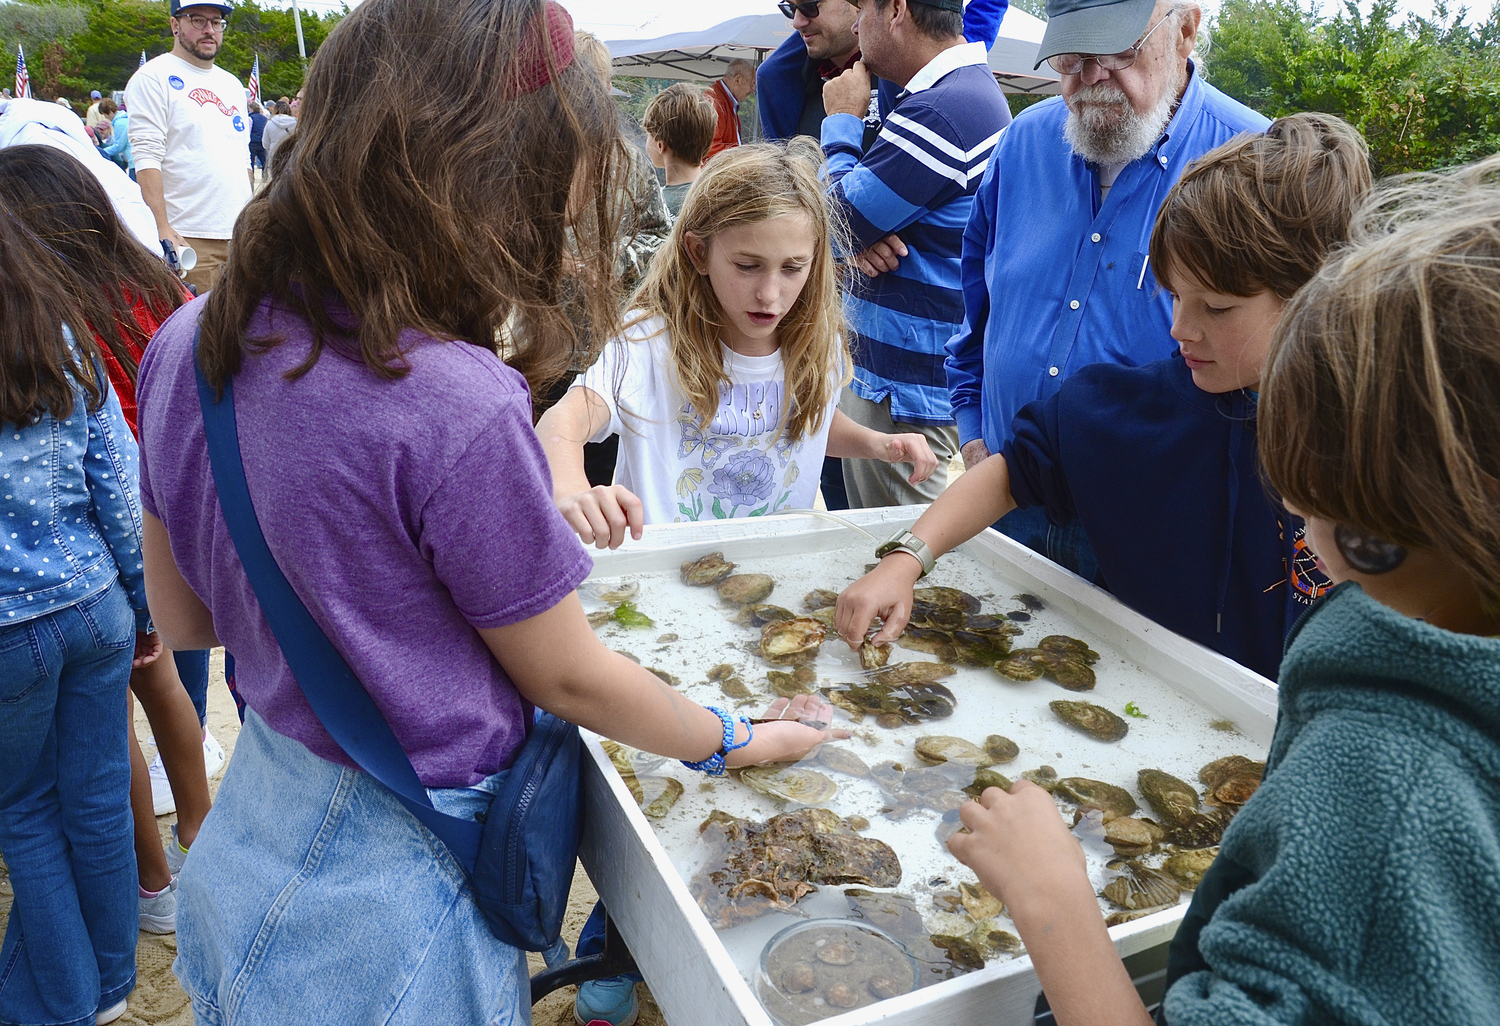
x=907 y=200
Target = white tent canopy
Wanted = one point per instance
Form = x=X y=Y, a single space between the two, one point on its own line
x=691 y=39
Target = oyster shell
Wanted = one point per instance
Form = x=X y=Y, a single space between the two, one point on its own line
x=792 y=641
x=613 y=594
x=1174 y=800
x=979 y=903
x=826 y=616
x=940 y=748
x=929 y=640
x=979 y=945
x=1071 y=647
x=1001 y=749
x=746 y=589
x=804 y=786
x=1020 y=666
x=1188 y=867
x=987 y=778
x=818 y=598
x=873 y=657
x=898 y=674
x=1094 y=720
x=655 y=795
x=1069 y=673
x=975 y=649
x=763 y=613
x=841 y=760
x=1231 y=780
x=711 y=569
x=736 y=688
x=949 y=597
x=936 y=617
x=721 y=672
x=1096 y=794
x=790 y=685
x=599 y=617
x=1141 y=887
x=1131 y=915
x=1044 y=777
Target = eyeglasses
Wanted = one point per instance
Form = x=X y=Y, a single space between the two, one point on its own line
x=1072 y=63
x=808 y=8
x=200 y=23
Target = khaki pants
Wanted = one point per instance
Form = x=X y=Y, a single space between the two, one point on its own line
x=212 y=253
x=877 y=483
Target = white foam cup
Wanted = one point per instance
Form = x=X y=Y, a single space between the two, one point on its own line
x=187 y=259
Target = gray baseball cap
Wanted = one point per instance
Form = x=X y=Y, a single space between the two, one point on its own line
x=1093 y=26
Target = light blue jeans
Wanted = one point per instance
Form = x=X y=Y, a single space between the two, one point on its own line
x=65 y=828
x=312 y=896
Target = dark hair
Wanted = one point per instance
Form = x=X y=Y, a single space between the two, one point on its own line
x=683 y=120
x=433 y=218
x=932 y=22
x=38 y=368
x=64 y=206
x=1262 y=211
x=1380 y=405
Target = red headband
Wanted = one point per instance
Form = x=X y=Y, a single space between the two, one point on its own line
x=530 y=70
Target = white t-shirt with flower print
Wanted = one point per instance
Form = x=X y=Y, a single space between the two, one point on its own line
x=740 y=466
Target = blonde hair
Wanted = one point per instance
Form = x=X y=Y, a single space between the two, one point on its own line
x=1381 y=401
x=744 y=186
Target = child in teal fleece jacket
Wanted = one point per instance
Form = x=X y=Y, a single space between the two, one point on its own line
x=1361 y=883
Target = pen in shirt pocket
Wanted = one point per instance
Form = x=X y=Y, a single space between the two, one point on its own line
x=1142 y=279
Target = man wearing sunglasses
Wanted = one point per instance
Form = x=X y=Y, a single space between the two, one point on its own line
x=190 y=137
x=1055 y=274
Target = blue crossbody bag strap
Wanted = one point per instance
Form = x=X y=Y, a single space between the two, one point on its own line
x=336 y=695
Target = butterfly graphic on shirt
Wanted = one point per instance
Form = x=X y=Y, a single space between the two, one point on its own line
x=709 y=446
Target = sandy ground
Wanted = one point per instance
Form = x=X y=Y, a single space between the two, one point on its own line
x=159 y=1001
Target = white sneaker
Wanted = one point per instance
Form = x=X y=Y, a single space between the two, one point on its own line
x=159 y=914
x=161 y=790
x=213 y=754
x=111 y=1013
x=175 y=855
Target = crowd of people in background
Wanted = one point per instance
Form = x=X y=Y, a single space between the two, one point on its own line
x=1200 y=358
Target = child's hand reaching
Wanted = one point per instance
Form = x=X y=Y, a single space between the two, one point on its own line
x=602 y=514
x=1022 y=851
x=911 y=448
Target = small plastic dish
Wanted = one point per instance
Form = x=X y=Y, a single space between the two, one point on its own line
x=825 y=967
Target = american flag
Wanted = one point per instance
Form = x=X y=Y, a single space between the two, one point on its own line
x=143 y=60
x=23 y=80
x=255 y=81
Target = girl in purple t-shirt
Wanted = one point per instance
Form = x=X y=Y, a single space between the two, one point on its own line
x=404 y=495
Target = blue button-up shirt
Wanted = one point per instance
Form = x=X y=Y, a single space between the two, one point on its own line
x=1053 y=278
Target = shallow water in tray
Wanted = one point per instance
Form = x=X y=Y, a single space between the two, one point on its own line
x=1173 y=732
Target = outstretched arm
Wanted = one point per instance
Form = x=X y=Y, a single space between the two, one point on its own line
x=602 y=514
x=968 y=506
x=848 y=440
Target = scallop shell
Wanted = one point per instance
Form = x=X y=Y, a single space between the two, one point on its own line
x=804 y=786
x=1142 y=887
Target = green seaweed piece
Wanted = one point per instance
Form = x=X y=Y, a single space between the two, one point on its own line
x=626 y=615
x=1131 y=709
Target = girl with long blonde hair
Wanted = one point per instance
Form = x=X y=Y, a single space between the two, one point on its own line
x=724 y=385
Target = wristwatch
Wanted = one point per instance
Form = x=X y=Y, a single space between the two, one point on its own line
x=908 y=542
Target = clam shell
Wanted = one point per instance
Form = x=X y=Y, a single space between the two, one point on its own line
x=799 y=978
x=746 y=589
x=836 y=953
x=804 y=786
x=1094 y=720
x=1142 y=887
x=987 y=778
x=1001 y=749
x=710 y=569
x=940 y=748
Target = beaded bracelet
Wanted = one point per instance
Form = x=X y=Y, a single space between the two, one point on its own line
x=714 y=764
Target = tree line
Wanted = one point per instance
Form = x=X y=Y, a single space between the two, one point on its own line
x=75 y=46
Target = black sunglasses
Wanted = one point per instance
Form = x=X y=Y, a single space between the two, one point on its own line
x=808 y=8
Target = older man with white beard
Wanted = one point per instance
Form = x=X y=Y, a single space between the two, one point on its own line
x=1055 y=269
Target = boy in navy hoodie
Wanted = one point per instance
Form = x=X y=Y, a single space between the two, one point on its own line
x=1159 y=462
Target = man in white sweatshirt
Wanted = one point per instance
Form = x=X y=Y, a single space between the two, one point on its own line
x=190 y=136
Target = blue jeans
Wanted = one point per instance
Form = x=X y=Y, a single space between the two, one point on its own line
x=65 y=824
x=192 y=668
x=311 y=895
x=1067 y=546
